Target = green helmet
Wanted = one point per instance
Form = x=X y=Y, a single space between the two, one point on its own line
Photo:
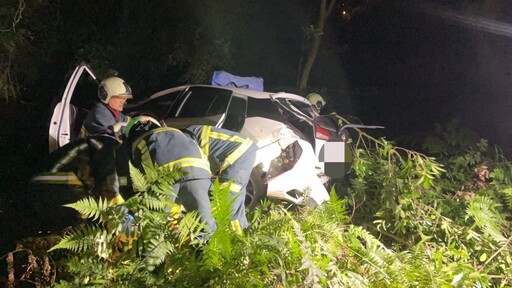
x=316 y=100
x=140 y=125
x=114 y=86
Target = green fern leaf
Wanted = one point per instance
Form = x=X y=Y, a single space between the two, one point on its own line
x=90 y=208
x=507 y=194
x=219 y=246
x=191 y=228
x=139 y=182
x=88 y=238
x=483 y=210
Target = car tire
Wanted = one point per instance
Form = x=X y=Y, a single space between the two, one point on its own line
x=256 y=190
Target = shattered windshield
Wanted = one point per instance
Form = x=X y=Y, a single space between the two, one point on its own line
x=204 y=101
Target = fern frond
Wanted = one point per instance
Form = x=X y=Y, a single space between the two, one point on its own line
x=219 y=246
x=139 y=182
x=90 y=208
x=157 y=248
x=483 y=211
x=221 y=205
x=334 y=210
x=507 y=194
x=171 y=175
x=370 y=251
x=164 y=188
x=315 y=275
x=155 y=204
x=88 y=238
x=151 y=174
x=191 y=227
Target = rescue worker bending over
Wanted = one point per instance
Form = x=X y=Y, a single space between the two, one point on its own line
x=153 y=145
x=231 y=156
x=104 y=119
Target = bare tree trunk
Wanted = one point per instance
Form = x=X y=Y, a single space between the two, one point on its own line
x=318 y=31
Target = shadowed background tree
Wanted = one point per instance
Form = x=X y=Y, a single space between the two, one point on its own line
x=390 y=64
x=154 y=45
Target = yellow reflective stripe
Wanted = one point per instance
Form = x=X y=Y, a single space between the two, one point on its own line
x=189 y=162
x=204 y=141
x=235 y=225
x=236 y=154
x=145 y=156
x=83 y=132
x=68 y=158
x=141 y=137
x=67 y=178
x=96 y=143
x=123 y=180
x=116 y=200
x=234 y=187
x=163 y=129
x=226 y=137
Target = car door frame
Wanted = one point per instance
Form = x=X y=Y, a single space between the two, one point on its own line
x=59 y=133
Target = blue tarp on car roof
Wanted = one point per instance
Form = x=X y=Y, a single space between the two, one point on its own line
x=223 y=78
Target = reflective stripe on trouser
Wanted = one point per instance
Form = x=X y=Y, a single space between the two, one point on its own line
x=57 y=178
x=240 y=172
x=235 y=226
x=65 y=178
x=193 y=195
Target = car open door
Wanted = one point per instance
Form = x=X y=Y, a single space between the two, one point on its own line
x=64 y=114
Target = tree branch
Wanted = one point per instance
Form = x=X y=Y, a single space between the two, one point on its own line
x=17 y=16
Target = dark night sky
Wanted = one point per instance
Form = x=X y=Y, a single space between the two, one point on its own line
x=409 y=68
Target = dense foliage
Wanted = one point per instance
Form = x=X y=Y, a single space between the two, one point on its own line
x=407 y=220
x=439 y=218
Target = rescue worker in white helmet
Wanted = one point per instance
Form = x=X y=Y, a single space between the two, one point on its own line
x=231 y=156
x=153 y=145
x=106 y=119
x=113 y=93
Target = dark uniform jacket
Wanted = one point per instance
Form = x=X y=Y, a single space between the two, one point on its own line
x=222 y=147
x=100 y=120
x=170 y=147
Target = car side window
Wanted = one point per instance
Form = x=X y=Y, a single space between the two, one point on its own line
x=264 y=108
x=160 y=105
x=235 y=118
x=204 y=101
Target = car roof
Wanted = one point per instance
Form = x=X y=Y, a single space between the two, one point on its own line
x=239 y=91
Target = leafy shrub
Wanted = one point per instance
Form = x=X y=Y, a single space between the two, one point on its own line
x=409 y=220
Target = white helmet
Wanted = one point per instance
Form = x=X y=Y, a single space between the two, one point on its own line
x=114 y=86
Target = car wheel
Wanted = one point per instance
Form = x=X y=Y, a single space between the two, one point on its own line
x=256 y=190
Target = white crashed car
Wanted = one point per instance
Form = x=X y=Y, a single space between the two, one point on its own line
x=287 y=166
